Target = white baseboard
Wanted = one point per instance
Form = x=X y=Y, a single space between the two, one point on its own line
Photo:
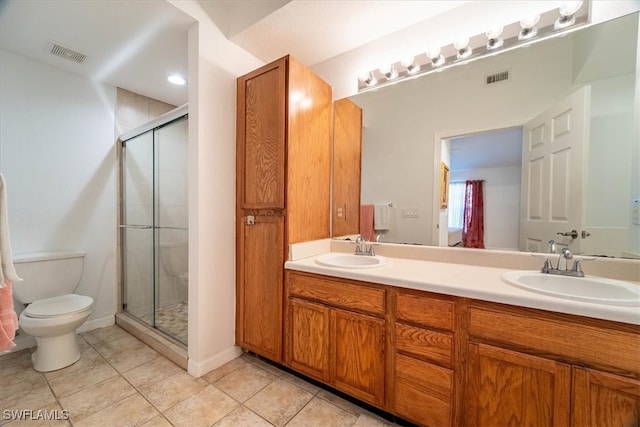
x=198 y=369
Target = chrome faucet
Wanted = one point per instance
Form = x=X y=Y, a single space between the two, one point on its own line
x=362 y=248
x=562 y=266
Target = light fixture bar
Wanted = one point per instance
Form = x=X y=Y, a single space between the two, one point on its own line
x=453 y=55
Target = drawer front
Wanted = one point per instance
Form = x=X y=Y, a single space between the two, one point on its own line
x=435 y=346
x=425 y=310
x=338 y=293
x=550 y=334
x=422 y=392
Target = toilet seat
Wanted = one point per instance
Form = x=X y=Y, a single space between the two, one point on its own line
x=58 y=306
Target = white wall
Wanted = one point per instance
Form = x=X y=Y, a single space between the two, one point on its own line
x=57 y=154
x=214 y=65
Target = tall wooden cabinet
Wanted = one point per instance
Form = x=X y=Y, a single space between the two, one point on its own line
x=283 y=167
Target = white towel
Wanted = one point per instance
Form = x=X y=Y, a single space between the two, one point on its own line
x=7 y=270
x=381 y=217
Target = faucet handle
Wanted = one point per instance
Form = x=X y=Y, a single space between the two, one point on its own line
x=577 y=265
x=547 y=267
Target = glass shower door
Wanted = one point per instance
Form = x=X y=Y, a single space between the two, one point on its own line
x=154 y=233
x=171 y=233
x=137 y=226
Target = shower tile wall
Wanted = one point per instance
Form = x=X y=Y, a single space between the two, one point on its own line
x=133 y=110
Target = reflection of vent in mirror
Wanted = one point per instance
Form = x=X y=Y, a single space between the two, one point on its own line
x=497 y=78
x=62 y=51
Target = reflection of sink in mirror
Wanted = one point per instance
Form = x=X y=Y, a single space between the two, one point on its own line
x=589 y=289
x=351 y=261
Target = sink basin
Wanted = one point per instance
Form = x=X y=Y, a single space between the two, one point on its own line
x=351 y=261
x=590 y=289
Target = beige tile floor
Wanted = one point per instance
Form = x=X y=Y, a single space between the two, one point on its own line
x=120 y=381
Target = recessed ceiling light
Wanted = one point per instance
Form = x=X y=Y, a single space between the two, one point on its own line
x=177 y=80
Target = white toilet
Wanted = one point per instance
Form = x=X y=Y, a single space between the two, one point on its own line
x=53 y=312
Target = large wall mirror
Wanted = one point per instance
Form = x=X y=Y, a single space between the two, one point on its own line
x=486 y=132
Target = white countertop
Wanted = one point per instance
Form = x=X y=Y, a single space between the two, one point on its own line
x=482 y=283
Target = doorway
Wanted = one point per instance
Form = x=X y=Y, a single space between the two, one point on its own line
x=493 y=156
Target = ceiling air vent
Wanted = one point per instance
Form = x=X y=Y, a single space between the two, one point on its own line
x=502 y=76
x=65 y=52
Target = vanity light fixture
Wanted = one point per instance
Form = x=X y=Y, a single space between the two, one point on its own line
x=493 y=37
x=435 y=56
x=463 y=48
x=567 y=14
x=410 y=64
x=528 y=26
x=367 y=79
x=501 y=38
x=389 y=71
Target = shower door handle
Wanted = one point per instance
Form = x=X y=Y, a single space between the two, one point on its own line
x=139 y=227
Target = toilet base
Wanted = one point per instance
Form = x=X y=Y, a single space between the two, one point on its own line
x=55 y=353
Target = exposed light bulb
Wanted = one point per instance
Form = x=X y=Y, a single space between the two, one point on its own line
x=493 y=37
x=436 y=58
x=389 y=72
x=528 y=26
x=567 y=16
x=410 y=64
x=570 y=7
x=463 y=48
x=368 y=79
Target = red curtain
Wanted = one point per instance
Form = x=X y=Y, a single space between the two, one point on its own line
x=473 y=220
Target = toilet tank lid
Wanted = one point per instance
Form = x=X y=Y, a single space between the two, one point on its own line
x=56 y=306
x=46 y=256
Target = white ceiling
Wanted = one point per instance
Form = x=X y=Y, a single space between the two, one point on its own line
x=137 y=44
x=501 y=148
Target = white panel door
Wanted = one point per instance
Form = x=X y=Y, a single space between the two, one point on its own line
x=553 y=163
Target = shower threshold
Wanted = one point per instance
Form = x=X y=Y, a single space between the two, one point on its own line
x=170 y=348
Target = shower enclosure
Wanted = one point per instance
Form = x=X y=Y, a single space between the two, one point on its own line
x=153 y=224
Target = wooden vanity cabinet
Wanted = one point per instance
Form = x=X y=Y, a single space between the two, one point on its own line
x=529 y=367
x=283 y=174
x=422 y=379
x=512 y=388
x=335 y=333
x=603 y=399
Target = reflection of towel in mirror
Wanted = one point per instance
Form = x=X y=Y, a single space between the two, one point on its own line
x=381 y=216
x=8 y=318
x=366 y=223
x=7 y=271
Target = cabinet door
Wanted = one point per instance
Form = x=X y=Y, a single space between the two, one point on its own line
x=601 y=399
x=507 y=388
x=261 y=137
x=308 y=338
x=260 y=265
x=357 y=355
x=422 y=392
